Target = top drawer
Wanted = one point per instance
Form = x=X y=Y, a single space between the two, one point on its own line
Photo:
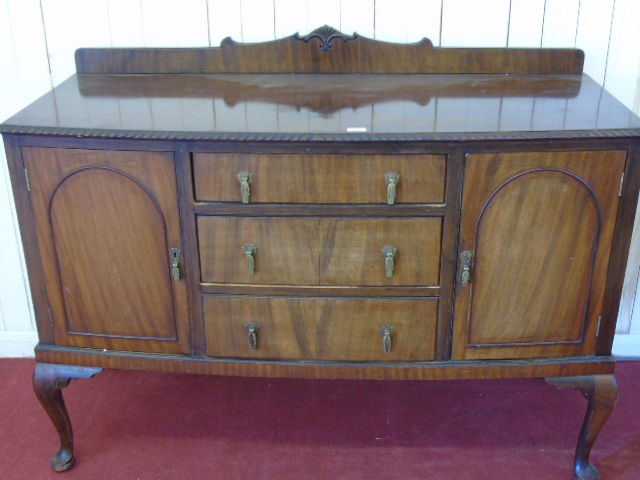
x=358 y=179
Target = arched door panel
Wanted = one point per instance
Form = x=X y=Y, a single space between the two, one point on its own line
x=538 y=226
x=106 y=221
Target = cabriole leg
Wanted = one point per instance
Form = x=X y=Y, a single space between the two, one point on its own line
x=48 y=381
x=601 y=392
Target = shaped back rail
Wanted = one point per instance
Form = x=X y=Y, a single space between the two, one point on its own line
x=326 y=50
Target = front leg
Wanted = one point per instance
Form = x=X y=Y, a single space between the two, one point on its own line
x=48 y=381
x=601 y=392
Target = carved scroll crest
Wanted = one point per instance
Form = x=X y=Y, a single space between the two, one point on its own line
x=326 y=34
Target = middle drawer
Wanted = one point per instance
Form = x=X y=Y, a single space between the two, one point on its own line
x=322 y=251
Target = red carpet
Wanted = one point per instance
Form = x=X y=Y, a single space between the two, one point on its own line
x=141 y=425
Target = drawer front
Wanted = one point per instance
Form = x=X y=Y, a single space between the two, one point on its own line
x=321 y=251
x=358 y=179
x=321 y=328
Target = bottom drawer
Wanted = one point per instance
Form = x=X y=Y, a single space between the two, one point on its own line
x=339 y=329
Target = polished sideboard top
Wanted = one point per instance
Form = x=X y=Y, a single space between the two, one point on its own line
x=182 y=94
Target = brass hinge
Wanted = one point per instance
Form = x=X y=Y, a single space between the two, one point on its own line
x=599 y=321
x=621 y=182
x=26 y=177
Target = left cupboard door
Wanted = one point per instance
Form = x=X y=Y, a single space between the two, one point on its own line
x=107 y=226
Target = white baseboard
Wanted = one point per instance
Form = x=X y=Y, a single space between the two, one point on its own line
x=20 y=344
x=627 y=346
x=17 y=344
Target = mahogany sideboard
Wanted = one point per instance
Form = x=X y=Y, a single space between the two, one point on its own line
x=327 y=206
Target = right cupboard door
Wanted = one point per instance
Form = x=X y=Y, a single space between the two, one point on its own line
x=535 y=239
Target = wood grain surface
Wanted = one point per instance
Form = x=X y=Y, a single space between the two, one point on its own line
x=319 y=178
x=325 y=94
x=540 y=226
x=321 y=328
x=343 y=55
x=449 y=370
x=601 y=392
x=99 y=245
x=322 y=108
x=320 y=250
x=105 y=222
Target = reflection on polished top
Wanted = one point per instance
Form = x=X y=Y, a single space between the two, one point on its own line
x=186 y=94
x=327 y=104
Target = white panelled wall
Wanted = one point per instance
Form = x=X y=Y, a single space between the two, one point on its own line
x=38 y=39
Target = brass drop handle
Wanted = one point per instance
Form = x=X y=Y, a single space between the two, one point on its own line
x=250 y=251
x=465 y=267
x=387 y=332
x=176 y=260
x=252 y=330
x=245 y=178
x=389 y=253
x=392 y=179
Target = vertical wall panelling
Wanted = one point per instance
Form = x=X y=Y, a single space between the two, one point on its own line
x=424 y=21
x=594 y=28
x=621 y=77
x=560 y=23
x=70 y=24
x=471 y=23
x=526 y=20
x=17 y=343
x=10 y=79
x=636 y=105
x=623 y=59
x=168 y=23
x=634 y=328
x=388 y=25
x=358 y=16
x=224 y=21
x=25 y=17
x=326 y=12
x=15 y=301
x=408 y=21
x=630 y=296
x=633 y=323
x=257 y=20
x=290 y=17
x=125 y=23
x=25 y=76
